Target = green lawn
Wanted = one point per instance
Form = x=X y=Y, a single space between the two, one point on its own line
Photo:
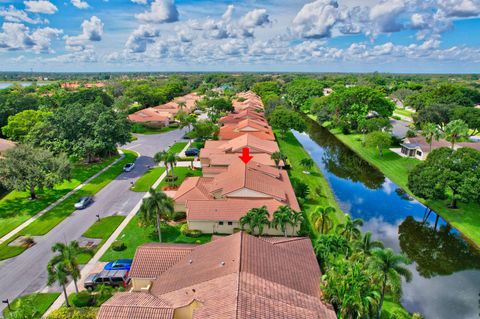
x=466 y=218
x=144 y=183
x=198 y=145
x=181 y=173
x=41 y=302
x=177 y=147
x=295 y=152
x=392 y=309
x=102 y=229
x=134 y=235
x=140 y=129
x=48 y=221
x=16 y=207
x=403 y=112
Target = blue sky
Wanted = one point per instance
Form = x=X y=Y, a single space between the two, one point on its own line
x=196 y=35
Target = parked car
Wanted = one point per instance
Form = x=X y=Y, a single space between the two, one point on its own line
x=128 y=167
x=113 y=278
x=120 y=264
x=83 y=202
x=192 y=151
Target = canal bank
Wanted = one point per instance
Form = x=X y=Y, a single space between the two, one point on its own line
x=445 y=271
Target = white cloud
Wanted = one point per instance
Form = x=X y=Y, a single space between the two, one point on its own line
x=11 y=14
x=385 y=15
x=460 y=8
x=92 y=31
x=17 y=36
x=41 y=6
x=80 y=4
x=138 y=40
x=316 y=19
x=140 y=1
x=161 y=11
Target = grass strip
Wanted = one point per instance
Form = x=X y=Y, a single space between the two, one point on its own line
x=41 y=302
x=177 y=147
x=144 y=183
x=181 y=173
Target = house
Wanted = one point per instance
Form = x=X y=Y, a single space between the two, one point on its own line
x=234 y=118
x=256 y=128
x=247 y=101
x=5 y=145
x=151 y=117
x=419 y=148
x=327 y=91
x=238 y=276
x=216 y=204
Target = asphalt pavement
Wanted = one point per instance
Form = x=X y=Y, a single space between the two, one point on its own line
x=27 y=273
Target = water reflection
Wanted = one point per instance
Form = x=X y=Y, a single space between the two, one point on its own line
x=445 y=269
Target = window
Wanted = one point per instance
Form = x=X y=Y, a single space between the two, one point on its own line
x=117 y=279
x=230 y=223
x=220 y=223
x=419 y=153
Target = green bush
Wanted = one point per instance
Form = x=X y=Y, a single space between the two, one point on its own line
x=411 y=133
x=174 y=125
x=74 y=313
x=186 y=158
x=83 y=299
x=184 y=229
x=194 y=233
x=118 y=245
x=179 y=216
x=396 y=117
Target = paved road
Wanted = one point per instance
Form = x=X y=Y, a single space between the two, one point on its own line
x=26 y=273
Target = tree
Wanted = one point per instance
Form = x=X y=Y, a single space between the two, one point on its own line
x=20 y=124
x=278 y=157
x=301 y=89
x=431 y=132
x=282 y=217
x=307 y=163
x=349 y=228
x=296 y=220
x=68 y=256
x=285 y=120
x=455 y=131
x=26 y=168
x=379 y=140
x=469 y=115
x=322 y=219
x=204 y=129
x=155 y=208
x=171 y=159
x=185 y=120
x=448 y=172
x=366 y=245
x=256 y=218
x=58 y=273
x=391 y=267
x=162 y=157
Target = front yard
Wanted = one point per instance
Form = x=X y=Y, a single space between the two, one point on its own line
x=180 y=173
x=41 y=302
x=144 y=183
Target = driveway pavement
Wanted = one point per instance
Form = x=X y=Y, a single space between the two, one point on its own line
x=26 y=273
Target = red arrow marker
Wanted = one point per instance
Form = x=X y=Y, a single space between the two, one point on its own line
x=246 y=155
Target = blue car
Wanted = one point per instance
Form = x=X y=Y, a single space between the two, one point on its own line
x=121 y=264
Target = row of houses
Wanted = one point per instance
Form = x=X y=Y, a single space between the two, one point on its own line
x=163 y=115
x=229 y=188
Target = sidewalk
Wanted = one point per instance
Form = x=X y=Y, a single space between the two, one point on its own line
x=94 y=262
x=51 y=206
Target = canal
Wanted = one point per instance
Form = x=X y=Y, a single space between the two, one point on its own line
x=445 y=268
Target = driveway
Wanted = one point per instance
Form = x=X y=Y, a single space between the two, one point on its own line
x=27 y=273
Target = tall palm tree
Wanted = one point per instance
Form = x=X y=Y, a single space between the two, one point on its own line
x=181 y=105
x=297 y=219
x=366 y=244
x=171 y=159
x=349 y=229
x=68 y=255
x=256 y=218
x=307 y=163
x=161 y=157
x=277 y=157
x=431 y=132
x=455 y=131
x=322 y=219
x=282 y=217
x=391 y=267
x=58 y=273
x=155 y=208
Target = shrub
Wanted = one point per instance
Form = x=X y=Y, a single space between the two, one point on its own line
x=184 y=229
x=396 y=117
x=175 y=125
x=411 y=133
x=194 y=233
x=83 y=299
x=301 y=189
x=179 y=216
x=186 y=158
x=118 y=245
x=74 y=313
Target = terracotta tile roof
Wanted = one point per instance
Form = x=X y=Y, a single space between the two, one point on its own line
x=239 y=276
x=419 y=141
x=154 y=259
x=194 y=188
x=242 y=115
x=5 y=145
x=474 y=145
x=213 y=170
x=231 y=209
x=231 y=131
x=150 y=115
x=227 y=159
x=255 y=144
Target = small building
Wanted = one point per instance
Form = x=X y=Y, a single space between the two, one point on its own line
x=419 y=148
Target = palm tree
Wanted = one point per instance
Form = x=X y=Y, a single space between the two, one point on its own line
x=181 y=105
x=307 y=163
x=277 y=157
x=171 y=159
x=366 y=244
x=431 y=132
x=455 y=131
x=161 y=157
x=58 y=273
x=68 y=255
x=391 y=267
x=155 y=208
x=282 y=217
x=256 y=218
x=297 y=219
x=349 y=229
x=322 y=217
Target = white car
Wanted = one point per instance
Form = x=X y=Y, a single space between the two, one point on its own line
x=128 y=167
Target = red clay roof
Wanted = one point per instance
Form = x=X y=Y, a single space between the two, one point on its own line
x=242 y=115
x=231 y=131
x=239 y=276
x=151 y=115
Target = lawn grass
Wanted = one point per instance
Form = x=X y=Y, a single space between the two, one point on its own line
x=177 y=147
x=181 y=173
x=48 y=221
x=466 y=218
x=403 y=112
x=144 y=183
x=16 y=207
x=41 y=302
x=198 y=145
x=392 y=309
x=152 y=130
x=102 y=229
x=295 y=152
x=134 y=235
